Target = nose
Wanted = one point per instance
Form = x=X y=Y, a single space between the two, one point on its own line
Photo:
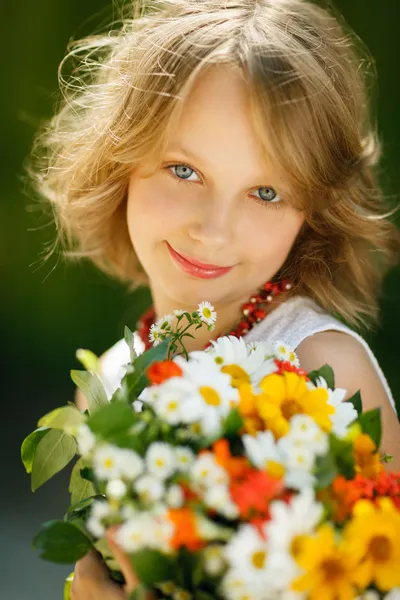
x=214 y=225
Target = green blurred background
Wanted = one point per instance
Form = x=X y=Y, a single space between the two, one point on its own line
x=52 y=309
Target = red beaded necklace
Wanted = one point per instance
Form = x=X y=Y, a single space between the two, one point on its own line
x=251 y=312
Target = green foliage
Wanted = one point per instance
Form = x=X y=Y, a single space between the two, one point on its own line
x=134 y=382
x=91 y=386
x=88 y=359
x=151 y=566
x=62 y=418
x=80 y=488
x=370 y=422
x=233 y=423
x=61 y=542
x=111 y=420
x=128 y=336
x=29 y=446
x=327 y=373
x=357 y=402
x=54 y=451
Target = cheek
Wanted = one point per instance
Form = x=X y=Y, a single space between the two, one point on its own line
x=151 y=210
x=270 y=236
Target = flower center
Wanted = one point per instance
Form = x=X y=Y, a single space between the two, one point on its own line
x=297 y=545
x=172 y=405
x=258 y=559
x=238 y=375
x=210 y=396
x=108 y=463
x=207 y=312
x=159 y=462
x=380 y=548
x=290 y=408
x=332 y=569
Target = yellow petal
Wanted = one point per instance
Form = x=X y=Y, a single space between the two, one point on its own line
x=295 y=386
x=274 y=386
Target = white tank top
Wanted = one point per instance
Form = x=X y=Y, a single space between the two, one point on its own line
x=291 y=322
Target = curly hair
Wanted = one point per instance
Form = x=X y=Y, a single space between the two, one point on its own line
x=309 y=79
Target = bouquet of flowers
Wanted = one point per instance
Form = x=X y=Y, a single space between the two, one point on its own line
x=231 y=472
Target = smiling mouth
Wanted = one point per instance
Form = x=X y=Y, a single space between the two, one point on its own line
x=197 y=268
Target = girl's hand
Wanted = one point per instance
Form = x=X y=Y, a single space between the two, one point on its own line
x=91 y=578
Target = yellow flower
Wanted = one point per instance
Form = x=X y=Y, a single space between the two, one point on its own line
x=373 y=538
x=328 y=567
x=238 y=375
x=367 y=460
x=287 y=395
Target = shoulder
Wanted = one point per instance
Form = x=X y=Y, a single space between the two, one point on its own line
x=349 y=360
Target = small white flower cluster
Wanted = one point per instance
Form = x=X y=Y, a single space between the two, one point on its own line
x=161 y=328
x=261 y=565
x=295 y=452
x=126 y=473
x=211 y=481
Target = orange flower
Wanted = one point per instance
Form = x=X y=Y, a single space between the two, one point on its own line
x=161 y=370
x=254 y=493
x=186 y=532
x=236 y=466
x=365 y=455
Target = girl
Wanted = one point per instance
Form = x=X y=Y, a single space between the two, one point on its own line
x=224 y=150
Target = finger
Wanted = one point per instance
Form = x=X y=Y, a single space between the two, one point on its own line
x=91 y=567
x=122 y=558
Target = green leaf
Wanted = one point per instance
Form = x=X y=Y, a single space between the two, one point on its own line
x=343 y=454
x=137 y=381
x=111 y=420
x=61 y=542
x=89 y=360
x=29 y=446
x=67 y=586
x=233 y=423
x=357 y=402
x=325 y=470
x=66 y=417
x=92 y=387
x=370 y=422
x=53 y=453
x=327 y=373
x=200 y=595
x=151 y=566
x=79 y=488
x=128 y=335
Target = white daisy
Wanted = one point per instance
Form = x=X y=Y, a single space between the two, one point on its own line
x=184 y=458
x=131 y=465
x=85 y=439
x=206 y=472
x=149 y=488
x=95 y=527
x=263 y=451
x=247 y=552
x=214 y=561
x=286 y=353
x=174 y=496
x=106 y=462
x=179 y=312
x=207 y=313
x=160 y=460
x=135 y=534
x=219 y=498
x=304 y=430
x=344 y=414
x=239 y=585
x=394 y=594
x=116 y=489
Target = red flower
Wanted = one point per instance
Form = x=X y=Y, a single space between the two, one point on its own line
x=283 y=366
x=159 y=371
x=236 y=466
x=254 y=493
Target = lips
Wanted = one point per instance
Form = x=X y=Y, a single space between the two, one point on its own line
x=195 y=267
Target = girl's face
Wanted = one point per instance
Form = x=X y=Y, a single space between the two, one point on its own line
x=214 y=199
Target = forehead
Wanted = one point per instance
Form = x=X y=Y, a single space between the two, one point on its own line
x=216 y=122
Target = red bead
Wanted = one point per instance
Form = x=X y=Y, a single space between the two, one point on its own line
x=256 y=299
x=267 y=286
x=248 y=308
x=275 y=289
x=259 y=314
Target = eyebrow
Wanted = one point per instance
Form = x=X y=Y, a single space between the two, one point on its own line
x=192 y=155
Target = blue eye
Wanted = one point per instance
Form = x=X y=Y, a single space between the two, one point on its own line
x=183 y=172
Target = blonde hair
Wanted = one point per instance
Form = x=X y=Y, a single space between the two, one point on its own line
x=309 y=92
